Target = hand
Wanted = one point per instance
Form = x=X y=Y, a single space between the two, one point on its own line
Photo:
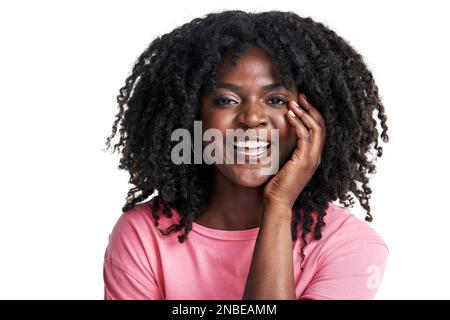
x=284 y=188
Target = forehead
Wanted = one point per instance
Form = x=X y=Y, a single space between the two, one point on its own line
x=254 y=65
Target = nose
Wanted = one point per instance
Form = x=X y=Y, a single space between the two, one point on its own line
x=253 y=115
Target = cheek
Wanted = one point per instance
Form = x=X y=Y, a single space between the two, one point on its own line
x=220 y=121
x=287 y=134
x=216 y=120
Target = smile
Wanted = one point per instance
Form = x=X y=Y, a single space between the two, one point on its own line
x=251 y=148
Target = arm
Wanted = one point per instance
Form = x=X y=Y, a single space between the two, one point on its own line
x=271 y=273
x=127 y=274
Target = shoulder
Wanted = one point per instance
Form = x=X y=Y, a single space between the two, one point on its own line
x=342 y=227
x=350 y=258
x=132 y=222
x=141 y=218
x=131 y=261
x=348 y=240
x=135 y=231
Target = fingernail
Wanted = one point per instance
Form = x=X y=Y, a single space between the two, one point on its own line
x=291 y=113
x=295 y=104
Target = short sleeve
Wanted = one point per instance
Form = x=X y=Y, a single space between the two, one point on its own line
x=127 y=272
x=352 y=271
x=121 y=285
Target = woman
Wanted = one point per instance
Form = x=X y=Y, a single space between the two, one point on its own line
x=244 y=234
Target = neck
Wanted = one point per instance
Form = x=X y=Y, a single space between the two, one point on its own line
x=232 y=206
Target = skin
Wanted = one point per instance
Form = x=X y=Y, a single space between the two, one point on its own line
x=243 y=198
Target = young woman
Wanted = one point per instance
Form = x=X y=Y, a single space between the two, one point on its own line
x=243 y=234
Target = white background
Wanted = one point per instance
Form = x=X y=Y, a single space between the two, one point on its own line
x=61 y=66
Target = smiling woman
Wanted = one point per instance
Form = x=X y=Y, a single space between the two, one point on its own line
x=303 y=95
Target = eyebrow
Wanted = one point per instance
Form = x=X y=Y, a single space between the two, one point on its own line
x=234 y=87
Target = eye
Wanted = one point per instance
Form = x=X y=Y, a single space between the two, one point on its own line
x=223 y=101
x=278 y=101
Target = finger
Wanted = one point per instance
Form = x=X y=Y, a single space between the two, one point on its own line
x=303 y=135
x=311 y=110
x=307 y=119
x=314 y=128
x=314 y=113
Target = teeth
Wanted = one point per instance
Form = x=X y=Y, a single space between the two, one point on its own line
x=251 y=144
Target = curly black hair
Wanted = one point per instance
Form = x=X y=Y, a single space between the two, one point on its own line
x=163 y=93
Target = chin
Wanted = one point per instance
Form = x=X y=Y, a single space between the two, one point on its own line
x=245 y=175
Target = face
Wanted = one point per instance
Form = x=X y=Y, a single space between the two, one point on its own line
x=244 y=100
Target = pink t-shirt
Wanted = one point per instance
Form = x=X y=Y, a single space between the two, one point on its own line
x=141 y=263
